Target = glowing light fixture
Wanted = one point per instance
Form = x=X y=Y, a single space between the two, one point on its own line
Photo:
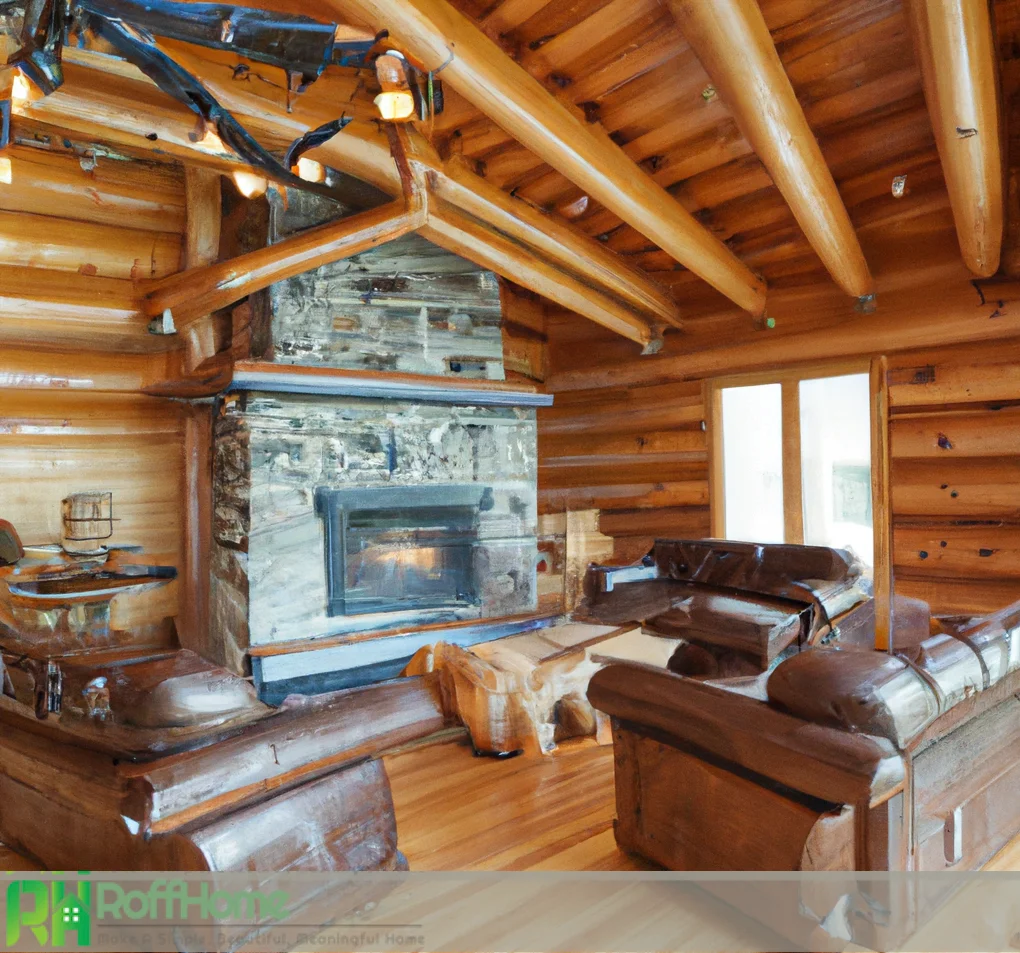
x=21 y=92
x=212 y=142
x=395 y=102
x=6 y=175
x=310 y=170
x=250 y=185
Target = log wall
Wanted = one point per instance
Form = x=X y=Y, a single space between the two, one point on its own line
x=955 y=468
x=639 y=455
x=55 y=444
x=76 y=229
x=624 y=435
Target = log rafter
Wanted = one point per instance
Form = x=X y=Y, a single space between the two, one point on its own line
x=755 y=86
x=955 y=46
x=552 y=257
x=437 y=36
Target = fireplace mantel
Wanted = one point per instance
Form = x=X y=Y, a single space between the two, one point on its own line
x=333 y=382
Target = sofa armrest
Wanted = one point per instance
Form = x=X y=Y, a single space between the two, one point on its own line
x=826 y=763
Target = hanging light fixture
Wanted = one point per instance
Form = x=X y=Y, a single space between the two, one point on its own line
x=250 y=185
x=395 y=102
x=310 y=170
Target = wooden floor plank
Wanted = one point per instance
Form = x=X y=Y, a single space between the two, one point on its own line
x=551 y=812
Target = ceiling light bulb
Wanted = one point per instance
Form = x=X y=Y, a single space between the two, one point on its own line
x=20 y=89
x=6 y=172
x=395 y=104
x=250 y=185
x=310 y=170
x=212 y=142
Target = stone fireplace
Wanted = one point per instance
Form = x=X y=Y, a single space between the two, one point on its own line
x=368 y=481
x=339 y=517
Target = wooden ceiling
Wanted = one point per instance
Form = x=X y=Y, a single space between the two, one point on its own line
x=851 y=64
x=628 y=70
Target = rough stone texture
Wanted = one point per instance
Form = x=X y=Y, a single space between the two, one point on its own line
x=273 y=450
x=405 y=306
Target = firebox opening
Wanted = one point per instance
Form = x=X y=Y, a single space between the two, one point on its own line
x=400 y=548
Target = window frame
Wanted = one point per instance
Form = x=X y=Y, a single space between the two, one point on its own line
x=789 y=379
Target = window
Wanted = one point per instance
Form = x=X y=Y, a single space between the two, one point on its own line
x=792 y=461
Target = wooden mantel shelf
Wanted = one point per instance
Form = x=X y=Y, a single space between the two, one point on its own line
x=297 y=379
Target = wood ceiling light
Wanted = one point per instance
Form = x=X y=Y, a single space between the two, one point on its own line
x=955 y=46
x=732 y=41
x=439 y=37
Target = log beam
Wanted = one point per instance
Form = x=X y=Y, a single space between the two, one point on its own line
x=439 y=37
x=551 y=235
x=191 y=294
x=362 y=151
x=451 y=229
x=732 y=41
x=955 y=45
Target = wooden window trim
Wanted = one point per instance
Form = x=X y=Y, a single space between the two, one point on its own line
x=789 y=378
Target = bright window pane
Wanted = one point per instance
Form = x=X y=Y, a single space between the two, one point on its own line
x=835 y=440
x=753 y=462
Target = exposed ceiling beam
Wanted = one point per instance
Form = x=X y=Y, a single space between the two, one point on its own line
x=92 y=105
x=189 y=295
x=553 y=236
x=955 y=45
x=732 y=41
x=439 y=37
x=453 y=230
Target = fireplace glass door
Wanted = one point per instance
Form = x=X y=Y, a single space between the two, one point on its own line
x=401 y=548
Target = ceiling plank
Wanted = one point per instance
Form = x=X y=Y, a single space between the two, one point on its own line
x=732 y=40
x=955 y=45
x=441 y=38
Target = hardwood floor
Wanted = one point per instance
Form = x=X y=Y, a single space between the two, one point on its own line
x=459 y=812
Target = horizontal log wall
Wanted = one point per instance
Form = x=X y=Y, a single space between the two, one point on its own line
x=55 y=444
x=637 y=454
x=955 y=450
x=76 y=231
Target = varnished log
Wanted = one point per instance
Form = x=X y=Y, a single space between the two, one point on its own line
x=193 y=293
x=69 y=311
x=43 y=241
x=958 y=489
x=626 y=496
x=955 y=46
x=733 y=43
x=201 y=247
x=681 y=522
x=98 y=102
x=552 y=236
x=455 y=232
x=130 y=195
x=670 y=441
x=437 y=35
x=970 y=552
x=950 y=436
x=934 y=305
x=881 y=507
